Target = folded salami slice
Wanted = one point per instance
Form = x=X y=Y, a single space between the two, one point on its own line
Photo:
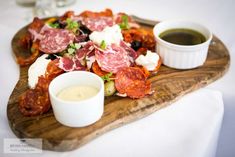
x=132 y=82
x=97 y=23
x=112 y=59
x=55 y=40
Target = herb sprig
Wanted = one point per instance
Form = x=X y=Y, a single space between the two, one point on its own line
x=107 y=77
x=124 y=24
x=103 y=45
x=54 y=25
x=72 y=25
x=73 y=47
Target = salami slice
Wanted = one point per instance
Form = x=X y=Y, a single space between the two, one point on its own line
x=112 y=59
x=132 y=82
x=97 y=23
x=106 y=13
x=55 y=40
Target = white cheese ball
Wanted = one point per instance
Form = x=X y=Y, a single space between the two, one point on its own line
x=111 y=35
x=149 y=61
x=38 y=68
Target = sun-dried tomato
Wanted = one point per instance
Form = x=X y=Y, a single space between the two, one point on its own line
x=36 y=25
x=145 y=36
x=34 y=55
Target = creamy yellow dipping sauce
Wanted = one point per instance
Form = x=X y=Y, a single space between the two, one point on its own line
x=77 y=93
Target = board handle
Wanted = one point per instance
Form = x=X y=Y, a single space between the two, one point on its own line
x=144 y=21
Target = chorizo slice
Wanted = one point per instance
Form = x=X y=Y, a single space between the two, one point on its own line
x=34 y=102
x=132 y=82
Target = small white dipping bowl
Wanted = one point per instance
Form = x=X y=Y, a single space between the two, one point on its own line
x=77 y=113
x=181 y=56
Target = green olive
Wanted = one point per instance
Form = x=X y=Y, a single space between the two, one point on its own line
x=109 y=88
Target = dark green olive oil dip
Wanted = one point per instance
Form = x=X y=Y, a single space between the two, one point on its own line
x=183 y=36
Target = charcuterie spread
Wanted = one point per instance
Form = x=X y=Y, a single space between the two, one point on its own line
x=113 y=46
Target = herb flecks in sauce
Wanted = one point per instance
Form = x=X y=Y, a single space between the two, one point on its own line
x=183 y=36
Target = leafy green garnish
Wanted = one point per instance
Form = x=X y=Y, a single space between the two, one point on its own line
x=107 y=77
x=103 y=45
x=124 y=24
x=73 y=47
x=71 y=51
x=72 y=25
x=54 y=25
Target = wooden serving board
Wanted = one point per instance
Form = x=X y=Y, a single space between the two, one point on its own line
x=169 y=84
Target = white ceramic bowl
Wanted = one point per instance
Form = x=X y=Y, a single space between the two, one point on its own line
x=77 y=113
x=182 y=56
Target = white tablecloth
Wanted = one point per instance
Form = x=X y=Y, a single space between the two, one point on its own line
x=188 y=127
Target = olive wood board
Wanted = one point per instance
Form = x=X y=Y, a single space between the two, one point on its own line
x=169 y=85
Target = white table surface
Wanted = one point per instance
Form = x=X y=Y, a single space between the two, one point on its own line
x=218 y=15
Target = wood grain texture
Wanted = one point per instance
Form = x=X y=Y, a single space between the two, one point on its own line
x=169 y=85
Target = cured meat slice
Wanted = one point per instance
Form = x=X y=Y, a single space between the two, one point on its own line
x=71 y=64
x=131 y=53
x=53 y=70
x=91 y=14
x=112 y=59
x=35 y=28
x=98 y=23
x=55 y=40
x=34 y=102
x=37 y=36
x=66 y=64
x=81 y=59
x=97 y=70
x=79 y=65
x=86 y=50
x=132 y=82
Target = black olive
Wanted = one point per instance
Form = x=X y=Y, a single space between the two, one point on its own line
x=136 y=45
x=84 y=30
x=51 y=57
x=61 y=24
x=81 y=38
